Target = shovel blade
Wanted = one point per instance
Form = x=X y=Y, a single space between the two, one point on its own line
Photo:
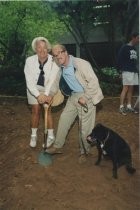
x=45 y=159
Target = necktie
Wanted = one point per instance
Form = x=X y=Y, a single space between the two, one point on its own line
x=64 y=87
x=41 y=75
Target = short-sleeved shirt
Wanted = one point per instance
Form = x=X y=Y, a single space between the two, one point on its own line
x=127 y=58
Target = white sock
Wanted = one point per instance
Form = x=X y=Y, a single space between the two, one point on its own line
x=51 y=132
x=129 y=106
x=121 y=106
x=34 y=131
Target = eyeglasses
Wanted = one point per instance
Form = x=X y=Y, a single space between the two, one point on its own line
x=59 y=53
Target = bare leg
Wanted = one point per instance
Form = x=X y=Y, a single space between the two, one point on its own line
x=35 y=116
x=50 y=128
x=123 y=94
x=50 y=119
x=137 y=103
x=129 y=94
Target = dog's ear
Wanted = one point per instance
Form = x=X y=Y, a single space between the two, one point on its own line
x=98 y=125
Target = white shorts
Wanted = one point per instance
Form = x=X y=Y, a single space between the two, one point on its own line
x=129 y=78
x=32 y=99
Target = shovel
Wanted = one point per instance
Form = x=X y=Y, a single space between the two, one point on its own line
x=44 y=158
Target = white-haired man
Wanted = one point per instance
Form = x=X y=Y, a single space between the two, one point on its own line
x=42 y=79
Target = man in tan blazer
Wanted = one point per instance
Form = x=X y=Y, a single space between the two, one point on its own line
x=79 y=81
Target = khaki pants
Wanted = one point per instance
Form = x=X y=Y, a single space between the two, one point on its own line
x=70 y=112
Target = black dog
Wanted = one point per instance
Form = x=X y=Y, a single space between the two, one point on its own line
x=110 y=144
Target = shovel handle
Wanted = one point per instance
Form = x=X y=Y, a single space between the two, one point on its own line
x=46 y=106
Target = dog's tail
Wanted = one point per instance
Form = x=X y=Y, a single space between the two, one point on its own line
x=130 y=169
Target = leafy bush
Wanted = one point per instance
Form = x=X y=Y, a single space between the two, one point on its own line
x=110 y=71
x=110 y=81
x=11 y=86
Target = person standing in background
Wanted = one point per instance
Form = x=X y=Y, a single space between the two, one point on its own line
x=127 y=65
x=42 y=80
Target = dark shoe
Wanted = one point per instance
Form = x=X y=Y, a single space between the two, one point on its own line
x=122 y=111
x=130 y=110
x=53 y=150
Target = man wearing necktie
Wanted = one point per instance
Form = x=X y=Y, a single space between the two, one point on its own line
x=42 y=79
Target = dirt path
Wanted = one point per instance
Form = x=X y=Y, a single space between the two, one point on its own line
x=65 y=185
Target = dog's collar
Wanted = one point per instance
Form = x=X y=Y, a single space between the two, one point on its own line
x=104 y=141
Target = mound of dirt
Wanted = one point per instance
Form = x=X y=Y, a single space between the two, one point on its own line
x=66 y=184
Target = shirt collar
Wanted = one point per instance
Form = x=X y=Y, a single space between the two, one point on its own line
x=70 y=64
x=42 y=64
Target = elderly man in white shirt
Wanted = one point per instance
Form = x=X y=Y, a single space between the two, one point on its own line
x=42 y=79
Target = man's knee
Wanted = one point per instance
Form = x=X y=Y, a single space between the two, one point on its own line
x=36 y=110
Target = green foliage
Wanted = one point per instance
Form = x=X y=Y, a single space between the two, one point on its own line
x=110 y=81
x=111 y=89
x=20 y=23
x=110 y=71
x=11 y=86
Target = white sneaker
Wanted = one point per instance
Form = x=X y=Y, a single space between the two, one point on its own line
x=33 y=141
x=50 y=141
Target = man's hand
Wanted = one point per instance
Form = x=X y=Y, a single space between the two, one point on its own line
x=82 y=101
x=49 y=99
x=41 y=99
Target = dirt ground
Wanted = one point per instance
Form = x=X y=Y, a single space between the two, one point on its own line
x=65 y=184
